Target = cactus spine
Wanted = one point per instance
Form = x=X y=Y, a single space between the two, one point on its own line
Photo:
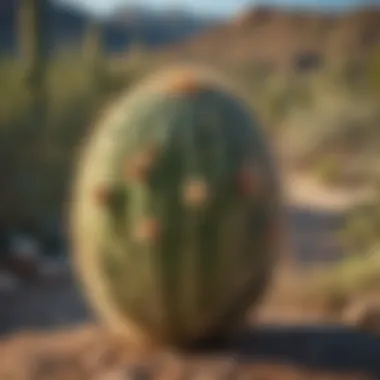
x=175 y=211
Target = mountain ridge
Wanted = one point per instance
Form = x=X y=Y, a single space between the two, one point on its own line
x=67 y=25
x=282 y=37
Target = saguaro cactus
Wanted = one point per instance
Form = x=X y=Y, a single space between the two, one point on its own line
x=32 y=35
x=32 y=20
x=93 y=55
x=176 y=210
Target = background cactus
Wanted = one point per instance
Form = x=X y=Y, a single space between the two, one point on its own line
x=93 y=51
x=32 y=38
x=176 y=210
x=32 y=43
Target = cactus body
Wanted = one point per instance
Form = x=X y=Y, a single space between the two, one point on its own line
x=175 y=211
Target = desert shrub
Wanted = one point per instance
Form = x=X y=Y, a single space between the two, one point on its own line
x=373 y=72
x=328 y=170
x=338 y=126
x=360 y=270
x=362 y=228
x=353 y=276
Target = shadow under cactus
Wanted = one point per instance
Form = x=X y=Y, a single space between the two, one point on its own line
x=317 y=347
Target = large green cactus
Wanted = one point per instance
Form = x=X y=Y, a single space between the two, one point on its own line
x=176 y=210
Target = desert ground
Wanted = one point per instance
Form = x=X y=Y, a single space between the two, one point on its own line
x=48 y=331
x=307 y=73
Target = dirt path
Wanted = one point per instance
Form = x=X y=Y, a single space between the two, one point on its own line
x=297 y=345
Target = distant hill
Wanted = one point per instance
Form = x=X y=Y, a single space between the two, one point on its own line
x=66 y=26
x=286 y=39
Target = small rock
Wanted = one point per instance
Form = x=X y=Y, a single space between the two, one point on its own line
x=100 y=359
x=139 y=373
x=24 y=257
x=53 y=269
x=25 y=248
x=129 y=373
x=218 y=370
x=172 y=368
x=363 y=314
x=114 y=374
x=9 y=283
x=334 y=303
x=56 y=367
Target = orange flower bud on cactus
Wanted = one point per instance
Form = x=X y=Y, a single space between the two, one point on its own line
x=148 y=231
x=139 y=166
x=102 y=195
x=184 y=83
x=249 y=181
x=195 y=193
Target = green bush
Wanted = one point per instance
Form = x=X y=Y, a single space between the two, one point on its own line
x=362 y=229
x=328 y=170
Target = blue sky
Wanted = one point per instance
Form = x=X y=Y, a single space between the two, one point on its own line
x=216 y=7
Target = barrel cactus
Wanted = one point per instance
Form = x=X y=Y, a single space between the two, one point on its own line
x=176 y=210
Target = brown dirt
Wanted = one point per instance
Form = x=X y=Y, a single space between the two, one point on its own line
x=288 y=343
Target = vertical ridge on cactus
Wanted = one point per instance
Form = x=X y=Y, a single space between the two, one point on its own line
x=180 y=250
